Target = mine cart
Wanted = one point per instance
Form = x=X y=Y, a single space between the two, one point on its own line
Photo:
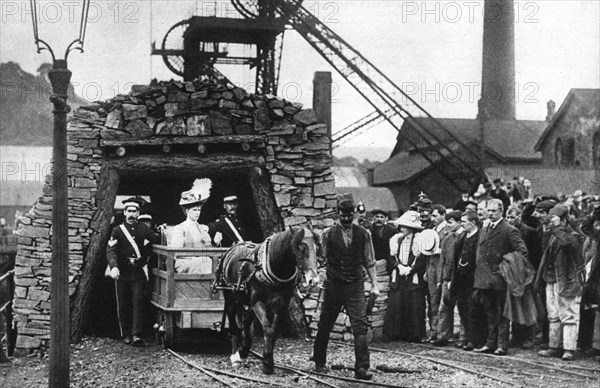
x=185 y=300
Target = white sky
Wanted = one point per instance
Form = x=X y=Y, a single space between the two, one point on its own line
x=424 y=46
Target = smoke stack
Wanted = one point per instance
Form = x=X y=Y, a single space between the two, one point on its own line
x=322 y=98
x=498 y=71
x=551 y=110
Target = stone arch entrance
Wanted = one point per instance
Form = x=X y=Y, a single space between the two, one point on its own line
x=162 y=178
x=276 y=154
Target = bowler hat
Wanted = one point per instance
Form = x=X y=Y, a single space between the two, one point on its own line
x=379 y=211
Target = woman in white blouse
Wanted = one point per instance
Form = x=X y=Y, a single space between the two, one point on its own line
x=191 y=234
x=405 y=316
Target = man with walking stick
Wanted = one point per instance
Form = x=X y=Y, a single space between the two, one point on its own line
x=126 y=260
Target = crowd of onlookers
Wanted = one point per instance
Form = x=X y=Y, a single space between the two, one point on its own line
x=522 y=271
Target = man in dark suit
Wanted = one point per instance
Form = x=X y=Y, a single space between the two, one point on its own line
x=497 y=239
x=500 y=193
x=522 y=334
x=381 y=232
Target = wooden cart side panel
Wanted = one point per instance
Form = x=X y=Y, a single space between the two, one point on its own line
x=170 y=279
x=190 y=291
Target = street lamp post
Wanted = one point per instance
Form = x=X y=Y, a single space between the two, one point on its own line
x=60 y=77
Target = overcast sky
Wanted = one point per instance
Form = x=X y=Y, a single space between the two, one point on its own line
x=432 y=49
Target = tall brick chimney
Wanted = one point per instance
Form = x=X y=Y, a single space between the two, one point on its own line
x=498 y=71
x=551 y=105
x=322 y=98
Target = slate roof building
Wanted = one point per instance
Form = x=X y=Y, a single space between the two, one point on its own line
x=558 y=155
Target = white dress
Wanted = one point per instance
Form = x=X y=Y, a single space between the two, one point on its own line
x=190 y=234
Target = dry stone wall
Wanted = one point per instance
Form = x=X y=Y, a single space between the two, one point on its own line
x=291 y=144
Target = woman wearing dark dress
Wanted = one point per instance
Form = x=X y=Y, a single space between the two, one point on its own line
x=405 y=315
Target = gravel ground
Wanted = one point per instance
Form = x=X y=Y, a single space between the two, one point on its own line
x=102 y=362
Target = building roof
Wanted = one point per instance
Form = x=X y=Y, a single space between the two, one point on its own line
x=371 y=197
x=547 y=181
x=508 y=138
x=349 y=177
x=512 y=141
x=399 y=168
x=588 y=105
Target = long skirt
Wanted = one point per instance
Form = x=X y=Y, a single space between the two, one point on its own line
x=405 y=316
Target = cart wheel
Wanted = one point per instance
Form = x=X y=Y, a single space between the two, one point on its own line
x=165 y=334
x=169 y=337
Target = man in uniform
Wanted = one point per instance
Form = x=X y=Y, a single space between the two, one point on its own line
x=227 y=229
x=347 y=248
x=125 y=254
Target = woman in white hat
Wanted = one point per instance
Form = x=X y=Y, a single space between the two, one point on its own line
x=189 y=233
x=405 y=315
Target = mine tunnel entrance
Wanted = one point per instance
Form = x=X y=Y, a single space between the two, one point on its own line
x=257 y=211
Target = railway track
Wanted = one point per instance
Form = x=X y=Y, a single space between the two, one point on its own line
x=508 y=370
x=233 y=379
x=405 y=365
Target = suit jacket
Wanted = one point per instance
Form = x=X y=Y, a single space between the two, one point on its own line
x=532 y=243
x=381 y=240
x=448 y=255
x=493 y=245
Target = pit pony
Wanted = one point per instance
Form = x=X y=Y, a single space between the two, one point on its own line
x=259 y=280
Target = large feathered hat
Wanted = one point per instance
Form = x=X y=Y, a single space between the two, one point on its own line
x=410 y=219
x=198 y=194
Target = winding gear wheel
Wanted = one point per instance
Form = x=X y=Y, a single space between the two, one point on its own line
x=172 y=46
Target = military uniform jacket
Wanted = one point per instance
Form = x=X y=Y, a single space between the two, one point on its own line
x=229 y=237
x=493 y=245
x=121 y=254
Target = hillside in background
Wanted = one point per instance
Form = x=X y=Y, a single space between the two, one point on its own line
x=374 y=154
x=25 y=108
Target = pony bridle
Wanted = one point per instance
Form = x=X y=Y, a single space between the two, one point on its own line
x=266 y=267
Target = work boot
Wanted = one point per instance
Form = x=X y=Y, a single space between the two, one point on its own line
x=321 y=368
x=550 y=352
x=137 y=341
x=363 y=374
x=568 y=355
